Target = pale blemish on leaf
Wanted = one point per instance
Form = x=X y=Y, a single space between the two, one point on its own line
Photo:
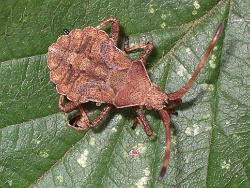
x=188 y=50
x=206 y=116
x=143 y=148
x=194 y=12
x=146 y=172
x=181 y=70
x=212 y=64
x=114 y=129
x=92 y=141
x=211 y=61
x=204 y=86
x=209 y=87
x=44 y=153
x=213 y=57
x=192 y=131
x=151 y=9
x=163 y=24
x=196 y=130
x=83 y=159
x=137 y=131
x=143 y=180
x=226 y=164
x=163 y=16
x=188 y=131
x=60 y=178
x=10 y=182
x=215 y=48
x=196 y=7
x=173 y=139
x=196 y=4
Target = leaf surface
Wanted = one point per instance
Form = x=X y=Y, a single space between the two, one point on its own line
x=210 y=136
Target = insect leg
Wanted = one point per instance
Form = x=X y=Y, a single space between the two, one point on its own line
x=80 y=121
x=115 y=27
x=142 y=120
x=101 y=115
x=147 y=47
x=170 y=107
x=166 y=121
x=67 y=107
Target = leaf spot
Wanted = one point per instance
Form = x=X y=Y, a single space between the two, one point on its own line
x=143 y=148
x=206 y=86
x=206 y=116
x=44 y=153
x=92 y=141
x=60 y=178
x=196 y=4
x=181 y=70
x=83 y=158
x=10 y=182
x=212 y=64
x=143 y=180
x=163 y=25
x=210 y=87
x=146 y=172
x=188 y=50
x=192 y=131
x=226 y=164
x=151 y=9
x=194 y=12
x=196 y=130
x=174 y=140
x=215 y=48
x=211 y=61
x=188 y=131
x=114 y=129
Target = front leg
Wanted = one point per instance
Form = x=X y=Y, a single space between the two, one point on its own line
x=147 y=47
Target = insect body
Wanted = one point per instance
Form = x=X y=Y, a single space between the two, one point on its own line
x=87 y=66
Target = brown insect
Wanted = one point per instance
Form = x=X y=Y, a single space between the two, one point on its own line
x=86 y=65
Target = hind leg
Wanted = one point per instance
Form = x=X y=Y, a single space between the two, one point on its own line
x=80 y=121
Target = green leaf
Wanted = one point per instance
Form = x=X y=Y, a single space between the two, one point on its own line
x=210 y=136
